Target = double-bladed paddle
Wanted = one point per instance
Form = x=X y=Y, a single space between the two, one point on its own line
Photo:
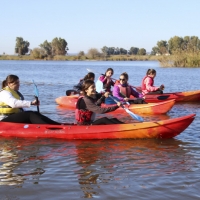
x=36 y=95
x=99 y=88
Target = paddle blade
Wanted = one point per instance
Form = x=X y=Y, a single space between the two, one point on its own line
x=35 y=89
x=134 y=116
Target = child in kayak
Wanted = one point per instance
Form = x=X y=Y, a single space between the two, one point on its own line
x=90 y=104
x=122 y=91
x=107 y=80
x=148 y=83
x=89 y=76
x=12 y=105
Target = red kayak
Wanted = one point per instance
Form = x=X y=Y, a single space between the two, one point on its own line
x=188 y=96
x=156 y=129
x=150 y=108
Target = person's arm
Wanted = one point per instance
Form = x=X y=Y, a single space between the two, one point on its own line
x=102 y=78
x=97 y=109
x=149 y=86
x=116 y=93
x=101 y=99
x=8 y=98
x=134 y=93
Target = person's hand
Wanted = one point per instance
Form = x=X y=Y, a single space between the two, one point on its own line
x=108 y=78
x=119 y=103
x=106 y=94
x=126 y=99
x=35 y=102
x=162 y=87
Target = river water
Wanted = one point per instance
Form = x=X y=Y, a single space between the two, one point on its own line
x=100 y=169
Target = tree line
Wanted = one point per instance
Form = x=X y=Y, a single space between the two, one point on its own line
x=58 y=46
x=175 y=44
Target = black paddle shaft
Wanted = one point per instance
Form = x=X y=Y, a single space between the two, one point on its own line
x=38 y=109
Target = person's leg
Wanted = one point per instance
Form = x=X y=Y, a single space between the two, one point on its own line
x=21 y=117
x=156 y=92
x=137 y=101
x=29 y=117
x=116 y=121
x=106 y=121
x=38 y=118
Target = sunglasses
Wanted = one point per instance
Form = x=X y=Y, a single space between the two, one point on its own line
x=122 y=79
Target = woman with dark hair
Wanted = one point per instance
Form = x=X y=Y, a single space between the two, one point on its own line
x=148 y=83
x=90 y=104
x=122 y=91
x=107 y=80
x=12 y=105
x=78 y=87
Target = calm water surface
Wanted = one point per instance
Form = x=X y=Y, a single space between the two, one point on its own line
x=103 y=169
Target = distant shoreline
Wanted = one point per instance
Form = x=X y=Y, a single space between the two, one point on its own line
x=182 y=60
x=84 y=58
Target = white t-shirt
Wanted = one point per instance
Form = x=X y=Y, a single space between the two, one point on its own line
x=9 y=99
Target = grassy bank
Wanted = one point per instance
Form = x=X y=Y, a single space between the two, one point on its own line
x=79 y=58
x=178 y=59
x=181 y=59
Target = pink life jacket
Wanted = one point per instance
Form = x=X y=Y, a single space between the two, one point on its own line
x=125 y=91
x=143 y=85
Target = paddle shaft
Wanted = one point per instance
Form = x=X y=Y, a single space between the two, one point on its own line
x=38 y=109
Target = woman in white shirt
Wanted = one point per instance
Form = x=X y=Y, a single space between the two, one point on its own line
x=12 y=105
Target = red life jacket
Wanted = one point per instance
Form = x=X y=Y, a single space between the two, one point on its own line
x=125 y=91
x=82 y=117
x=143 y=85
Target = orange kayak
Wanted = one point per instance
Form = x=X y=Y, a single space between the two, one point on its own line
x=188 y=96
x=142 y=130
x=150 y=108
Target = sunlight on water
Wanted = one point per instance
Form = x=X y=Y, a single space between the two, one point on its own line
x=104 y=169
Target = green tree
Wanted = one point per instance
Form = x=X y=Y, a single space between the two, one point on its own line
x=155 y=50
x=105 y=51
x=123 y=51
x=47 y=47
x=175 y=43
x=133 y=51
x=59 y=46
x=142 y=51
x=192 y=42
x=21 y=47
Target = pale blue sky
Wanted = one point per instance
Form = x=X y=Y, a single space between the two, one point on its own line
x=86 y=24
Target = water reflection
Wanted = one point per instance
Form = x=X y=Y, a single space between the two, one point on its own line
x=110 y=162
x=11 y=163
x=98 y=162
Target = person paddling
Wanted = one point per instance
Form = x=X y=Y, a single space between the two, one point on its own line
x=107 y=80
x=13 y=105
x=89 y=76
x=148 y=83
x=122 y=91
x=90 y=104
